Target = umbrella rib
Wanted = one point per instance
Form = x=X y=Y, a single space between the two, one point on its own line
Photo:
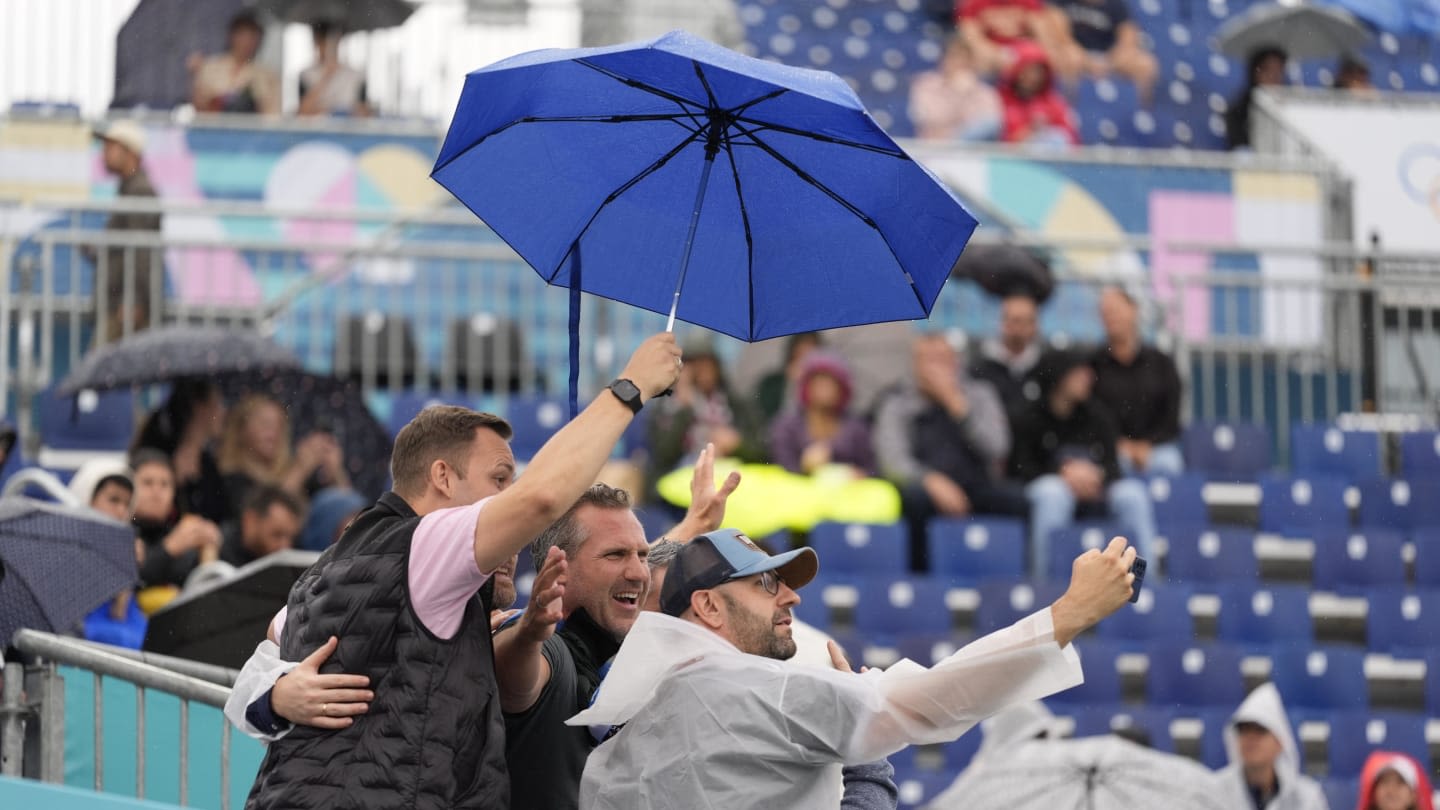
x=749 y=239
x=704 y=82
x=642 y=86
x=762 y=126
x=736 y=110
x=602 y=119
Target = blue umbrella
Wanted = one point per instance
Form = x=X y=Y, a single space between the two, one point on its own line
x=601 y=160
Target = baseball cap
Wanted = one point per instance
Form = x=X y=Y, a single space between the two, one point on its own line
x=124 y=132
x=1403 y=767
x=724 y=555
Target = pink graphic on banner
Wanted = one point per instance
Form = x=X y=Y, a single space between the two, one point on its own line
x=1186 y=216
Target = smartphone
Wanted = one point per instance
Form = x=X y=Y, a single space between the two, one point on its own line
x=1138 y=569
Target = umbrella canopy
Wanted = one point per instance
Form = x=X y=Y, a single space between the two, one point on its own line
x=60 y=563
x=161 y=355
x=221 y=622
x=596 y=165
x=1093 y=773
x=154 y=42
x=349 y=15
x=1007 y=270
x=317 y=403
x=1303 y=31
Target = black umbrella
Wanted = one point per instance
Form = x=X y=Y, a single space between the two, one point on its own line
x=168 y=353
x=220 y=623
x=155 y=41
x=1007 y=270
x=60 y=563
x=316 y=403
x=349 y=15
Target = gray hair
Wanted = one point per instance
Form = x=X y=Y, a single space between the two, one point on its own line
x=567 y=533
x=662 y=553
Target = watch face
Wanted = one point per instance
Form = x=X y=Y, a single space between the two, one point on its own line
x=625 y=389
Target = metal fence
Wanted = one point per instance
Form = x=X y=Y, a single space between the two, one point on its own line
x=33 y=704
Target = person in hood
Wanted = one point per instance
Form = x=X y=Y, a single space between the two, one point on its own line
x=1035 y=112
x=711 y=715
x=823 y=430
x=1264 y=770
x=1394 y=781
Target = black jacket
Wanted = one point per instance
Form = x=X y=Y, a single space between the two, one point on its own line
x=1044 y=441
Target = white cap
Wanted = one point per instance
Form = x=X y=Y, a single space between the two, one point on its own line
x=125 y=132
x=1404 y=768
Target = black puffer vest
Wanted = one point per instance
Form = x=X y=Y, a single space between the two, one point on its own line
x=433 y=737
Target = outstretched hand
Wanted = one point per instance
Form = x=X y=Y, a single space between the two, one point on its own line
x=1100 y=584
x=546 y=608
x=707 y=504
x=306 y=698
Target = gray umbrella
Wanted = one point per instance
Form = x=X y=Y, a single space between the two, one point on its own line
x=1302 y=31
x=169 y=353
x=60 y=563
x=154 y=42
x=1094 y=773
x=349 y=15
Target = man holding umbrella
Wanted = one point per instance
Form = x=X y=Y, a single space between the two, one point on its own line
x=399 y=589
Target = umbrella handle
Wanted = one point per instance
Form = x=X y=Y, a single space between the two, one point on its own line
x=690 y=237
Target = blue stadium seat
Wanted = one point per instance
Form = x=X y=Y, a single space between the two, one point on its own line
x=1328 y=451
x=1070 y=542
x=1358 y=559
x=1003 y=603
x=1420 y=454
x=894 y=606
x=929 y=649
x=1196 y=675
x=1353 y=735
x=1162 y=613
x=1427 y=556
x=1322 y=677
x=91 y=420
x=1301 y=505
x=862 y=548
x=1260 y=617
x=1154 y=721
x=1227 y=451
x=1432 y=683
x=812 y=608
x=1401 y=622
x=1212 y=735
x=405 y=405
x=1402 y=505
x=959 y=753
x=1340 y=791
x=1206 y=555
x=534 y=419
x=655 y=520
x=1102 y=679
x=1179 y=501
x=977 y=548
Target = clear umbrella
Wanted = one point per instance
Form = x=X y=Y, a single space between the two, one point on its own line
x=1303 y=31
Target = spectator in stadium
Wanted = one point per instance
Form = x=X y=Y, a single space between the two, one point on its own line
x=331 y=510
x=124 y=271
x=270 y=521
x=1266 y=68
x=713 y=717
x=106 y=486
x=774 y=391
x=255 y=449
x=1035 y=112
x=330 y=87
x=1007 y=361
x=703 y=410
x=822 y=431
x=1065 y=452
x=943 y=441
x=1140 y=387
x=952 y=103
x=171 y=545
x=1106 y=41
x=1264 y=768
x=994 y=30
x=399 y=590
x=1394 y=781
x=233 y=82
x=183 y=428
x=1353 y=75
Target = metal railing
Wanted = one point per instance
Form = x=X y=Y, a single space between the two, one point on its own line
x=32 y=707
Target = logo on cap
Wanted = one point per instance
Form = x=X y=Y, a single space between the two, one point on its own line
x=750 y=544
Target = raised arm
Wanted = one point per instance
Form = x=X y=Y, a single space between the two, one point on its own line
x=571 y=460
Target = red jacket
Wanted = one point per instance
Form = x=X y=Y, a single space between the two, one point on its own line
x=1379 y=761
x=1044 y=109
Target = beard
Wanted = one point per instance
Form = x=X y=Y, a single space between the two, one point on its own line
x=756 y=634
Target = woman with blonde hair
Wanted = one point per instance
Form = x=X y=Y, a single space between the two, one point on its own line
x=255 y=449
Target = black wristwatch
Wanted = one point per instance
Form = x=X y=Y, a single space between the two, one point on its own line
x=626 y=392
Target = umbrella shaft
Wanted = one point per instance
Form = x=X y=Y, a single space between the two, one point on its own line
x=690 y=237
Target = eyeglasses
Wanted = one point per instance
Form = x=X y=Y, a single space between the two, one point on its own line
x=771 y=581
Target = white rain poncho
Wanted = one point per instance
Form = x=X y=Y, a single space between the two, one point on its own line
x=708 y=726
x=1297 y=791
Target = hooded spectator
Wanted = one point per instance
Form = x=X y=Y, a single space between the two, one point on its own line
x=1264 y=770
x=822 y=431
x=1394 y=781
x=1035 y=112
x=1265 y=69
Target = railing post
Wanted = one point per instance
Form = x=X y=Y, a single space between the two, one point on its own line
x=12 y=721
x=45 y=734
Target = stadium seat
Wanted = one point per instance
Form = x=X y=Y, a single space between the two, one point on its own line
x=1320 y=677
x=488 y=353
x=1346 y=559
x=91 y=420
x=1402 y=505
x=862 y=548
x=1162 y=613
x=894 y=606
x=1432 y=683
x=959 y=753
x=812 y=608
x=655 y=521
x=1353 y=735
x=406 y=405
x=1196 y=675
x=973 y=549
x=1210 y=555
x=389 y=340
x=1004 y=603
x=1301 y=505
x=1212 y=735
x=1420 y=455
x=534 y=419
x=1102 y=679
x=1179 y=501
x=1259 y=617
x=1070 y=542
x=1340 y=791
x=1401 y=622
x=1328 y=451
x=929 y=649
x=1153 y=721
x=1227 y=451
x=1427 y=557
